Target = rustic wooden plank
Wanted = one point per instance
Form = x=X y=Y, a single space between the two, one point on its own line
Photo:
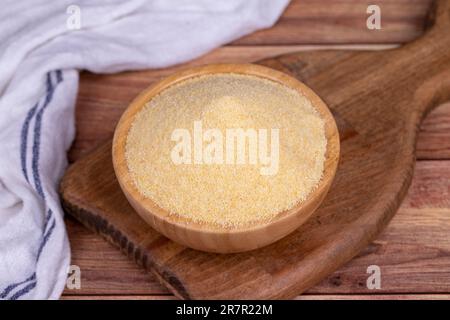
x=413 y=252
x=434 y=138
x=343 y=21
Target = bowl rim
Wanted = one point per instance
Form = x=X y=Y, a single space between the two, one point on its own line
x=155 y=212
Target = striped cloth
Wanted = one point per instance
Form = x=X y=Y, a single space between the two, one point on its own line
x=42 y=47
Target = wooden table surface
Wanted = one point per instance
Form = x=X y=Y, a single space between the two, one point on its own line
x=413 y=253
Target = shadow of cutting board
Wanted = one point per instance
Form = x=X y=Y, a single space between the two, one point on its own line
x=378 y=99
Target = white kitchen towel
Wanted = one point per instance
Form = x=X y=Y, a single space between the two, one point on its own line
x=42 y=46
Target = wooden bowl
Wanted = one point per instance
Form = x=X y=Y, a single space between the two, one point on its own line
x=213 y=238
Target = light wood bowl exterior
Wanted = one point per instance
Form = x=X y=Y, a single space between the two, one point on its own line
x=213 y=238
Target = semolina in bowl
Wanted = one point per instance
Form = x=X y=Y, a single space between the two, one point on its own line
x=226 y=158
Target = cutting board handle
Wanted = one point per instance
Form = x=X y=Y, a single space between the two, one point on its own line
x=437 y=26
x=430 y=55
x=438 y=16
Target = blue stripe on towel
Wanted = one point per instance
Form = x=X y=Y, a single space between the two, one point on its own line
x=24 y=138
x=36 y=176
x=47 y=219
x=32 y=285
x=23 y=291
x=45 y=239
x=37 y=137
x=11 y=287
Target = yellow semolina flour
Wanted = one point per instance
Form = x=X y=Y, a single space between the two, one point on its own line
x=232 y=193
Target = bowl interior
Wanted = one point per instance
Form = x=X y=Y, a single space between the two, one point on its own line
x=151 y=208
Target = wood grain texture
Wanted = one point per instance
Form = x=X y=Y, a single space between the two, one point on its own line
x=385 y=97
x=413 y=252
x=343 y=21
x=434 y=140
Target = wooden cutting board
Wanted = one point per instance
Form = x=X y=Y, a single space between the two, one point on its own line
x=378 y=100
